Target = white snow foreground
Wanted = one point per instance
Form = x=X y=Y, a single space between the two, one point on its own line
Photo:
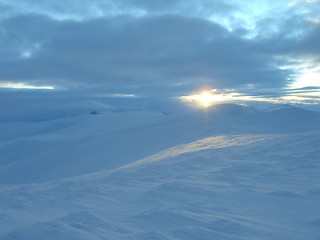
x=236 y=187
x=192 y=182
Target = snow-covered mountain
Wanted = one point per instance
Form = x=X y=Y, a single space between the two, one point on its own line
x=227 y=172
x=42 y=151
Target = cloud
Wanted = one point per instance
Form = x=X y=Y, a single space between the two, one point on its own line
x=86 y=9
x=157 y=47
x=123 y=50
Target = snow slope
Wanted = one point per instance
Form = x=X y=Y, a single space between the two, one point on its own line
x=42 y=151
x=230 y=172
x=224 y=187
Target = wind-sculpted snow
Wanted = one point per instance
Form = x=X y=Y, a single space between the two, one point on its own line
x=230 y=172
x=33 y=152
x=201 y=145
x=220 y=187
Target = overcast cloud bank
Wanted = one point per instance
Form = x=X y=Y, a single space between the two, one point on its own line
x=160 y=47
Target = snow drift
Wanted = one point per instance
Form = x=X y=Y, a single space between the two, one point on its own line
x=230 y=172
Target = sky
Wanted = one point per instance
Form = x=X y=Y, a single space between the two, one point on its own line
x=262 y=49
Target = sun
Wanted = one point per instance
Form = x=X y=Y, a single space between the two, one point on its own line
x=204 y=99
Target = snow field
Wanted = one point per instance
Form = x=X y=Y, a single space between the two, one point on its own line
x=143 y=175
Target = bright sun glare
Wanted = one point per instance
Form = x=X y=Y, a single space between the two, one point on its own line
x=204 y=98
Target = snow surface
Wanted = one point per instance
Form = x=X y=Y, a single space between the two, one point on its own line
x=230 y=172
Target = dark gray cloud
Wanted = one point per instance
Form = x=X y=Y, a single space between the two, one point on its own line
x=149 y=46
x=123 y=50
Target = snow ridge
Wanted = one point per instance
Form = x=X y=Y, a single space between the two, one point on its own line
x=161 y=177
